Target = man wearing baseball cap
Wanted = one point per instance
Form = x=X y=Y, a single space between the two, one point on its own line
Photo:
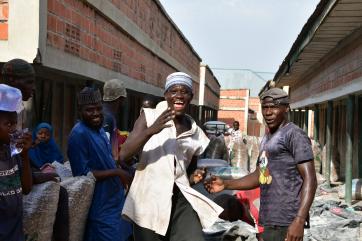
x=20 y=74
x=285 y=173
x=114 y=94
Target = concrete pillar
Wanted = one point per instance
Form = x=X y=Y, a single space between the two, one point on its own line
x=316 y=123
x=297 y=121
x=201 y=116
x=360 y=137
x=310 y=123
x=329 y=120
x=349 y=147
x=202 y=83
x=289 y=115
x=305 y=121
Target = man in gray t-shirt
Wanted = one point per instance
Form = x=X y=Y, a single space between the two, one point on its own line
x=285 y=173
x=285 y=149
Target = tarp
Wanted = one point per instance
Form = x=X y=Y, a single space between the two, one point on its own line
x=230 y=231
x=331 y=222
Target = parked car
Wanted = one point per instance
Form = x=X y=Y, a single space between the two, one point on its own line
x=215 y=127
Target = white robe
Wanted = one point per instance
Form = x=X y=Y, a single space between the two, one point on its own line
x=164 y=161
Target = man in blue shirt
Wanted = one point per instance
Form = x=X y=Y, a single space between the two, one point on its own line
x=89 y=150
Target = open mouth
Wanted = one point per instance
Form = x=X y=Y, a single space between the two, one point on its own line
x=96 y=120
x=178 y=105
x=269 y=121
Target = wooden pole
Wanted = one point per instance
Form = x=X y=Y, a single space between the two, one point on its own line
x=349 y=152
x=316 y=124
x=329 y=143
x=359 y=117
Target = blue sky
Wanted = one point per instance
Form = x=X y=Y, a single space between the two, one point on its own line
x=241 y=34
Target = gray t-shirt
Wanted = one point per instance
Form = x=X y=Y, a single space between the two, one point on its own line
x=285 y=149
x=11 y=200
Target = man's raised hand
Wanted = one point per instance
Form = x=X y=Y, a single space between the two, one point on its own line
x=161 y=122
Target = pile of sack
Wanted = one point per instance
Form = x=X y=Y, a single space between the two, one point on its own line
x=40 y=205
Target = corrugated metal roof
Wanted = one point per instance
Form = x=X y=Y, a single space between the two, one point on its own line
x=331 y=22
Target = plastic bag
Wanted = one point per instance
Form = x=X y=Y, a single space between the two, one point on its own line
x=63 y=170
x=216 y=149
x=230 y=231
x=40 y=207
x=80 y=192
x=253 y=151
x=226 y=172
x=202 y=163
x=240 y=157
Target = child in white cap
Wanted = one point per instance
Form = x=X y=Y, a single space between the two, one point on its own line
x=15 y=172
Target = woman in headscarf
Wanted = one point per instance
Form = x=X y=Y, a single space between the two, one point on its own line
x=45 y=150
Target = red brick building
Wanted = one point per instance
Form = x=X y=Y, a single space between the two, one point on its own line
x=324 y=73
x=255 y=118
x=4 y=16
x=73 y=43
x=237 y=105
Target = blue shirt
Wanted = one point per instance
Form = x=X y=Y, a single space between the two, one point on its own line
x=90 y=150
x=11 y=200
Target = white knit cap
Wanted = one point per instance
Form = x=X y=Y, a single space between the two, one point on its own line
x=10 y=99
x=178 y=78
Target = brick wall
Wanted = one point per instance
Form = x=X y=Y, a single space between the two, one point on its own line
x=212 y=81
x=339 y=70
x=4 y=16
x=235 y=98
x=254 y=104
x=255 y=121
x=78 y=29
x=211 y=97
x=234 y=92
x=195 y=87
x=212 y=88
x=232 y=103
x=230 y=116
x=148 y=16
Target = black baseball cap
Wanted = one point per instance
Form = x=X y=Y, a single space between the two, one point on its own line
x=277 y=94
